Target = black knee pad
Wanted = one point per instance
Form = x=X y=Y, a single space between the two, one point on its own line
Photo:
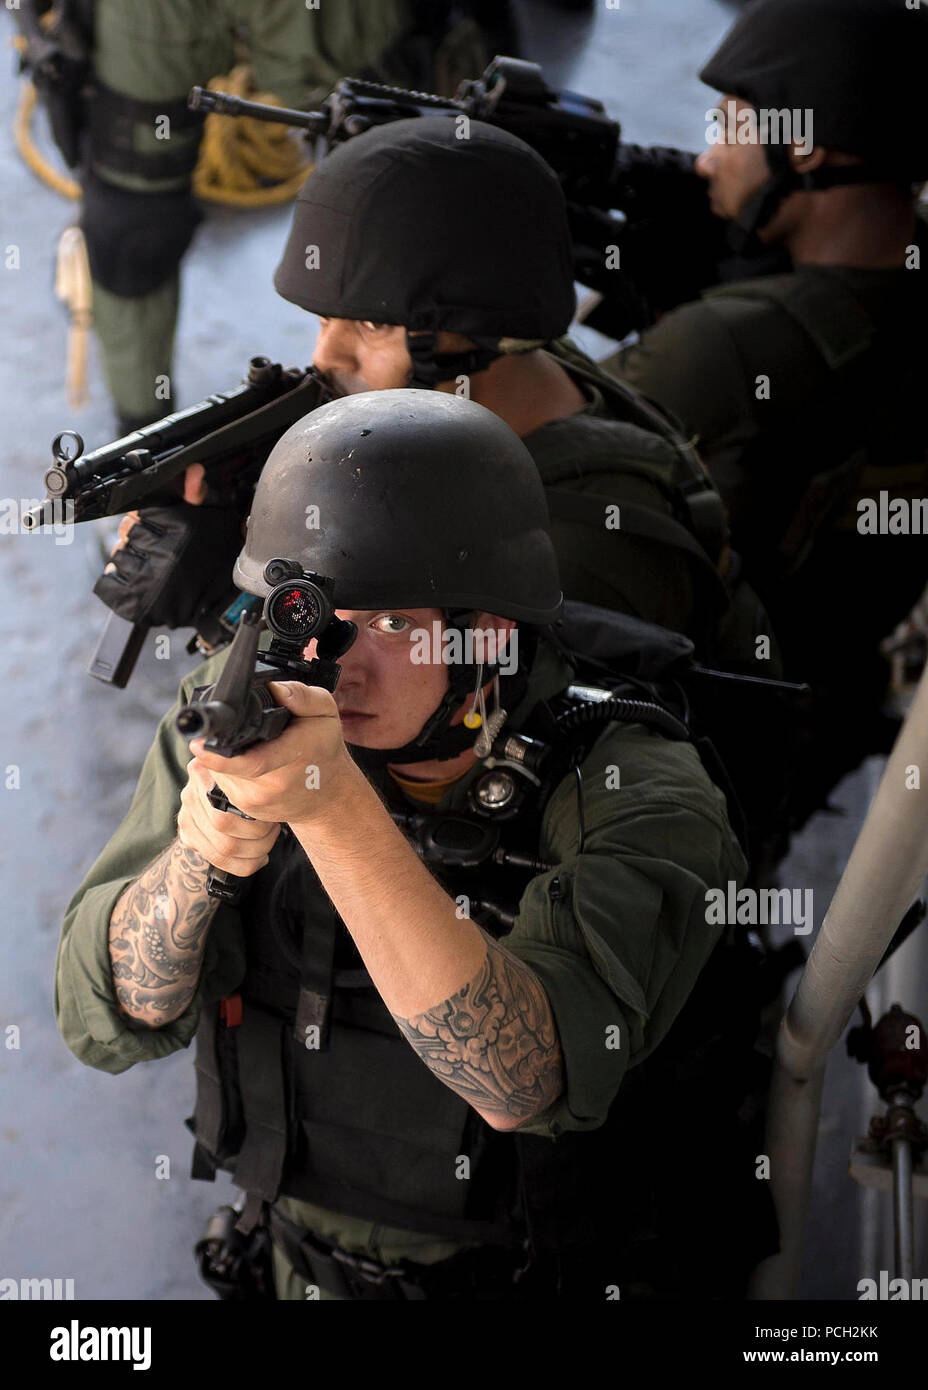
x=135 y=241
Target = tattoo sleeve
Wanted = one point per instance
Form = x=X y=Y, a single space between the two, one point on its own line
x=494 y=1042
x=157 y=935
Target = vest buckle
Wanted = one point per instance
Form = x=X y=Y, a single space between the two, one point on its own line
x=371 y=1271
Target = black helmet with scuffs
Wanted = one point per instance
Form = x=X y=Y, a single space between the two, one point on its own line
x=412 y=499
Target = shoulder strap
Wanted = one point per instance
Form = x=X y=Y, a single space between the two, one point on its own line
x=831 y=315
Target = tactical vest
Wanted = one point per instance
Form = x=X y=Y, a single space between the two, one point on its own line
x=729 y=620
x=359 y=1125
x=729 y=617
x=694 y=521
x=844 y=421
x=856 y=429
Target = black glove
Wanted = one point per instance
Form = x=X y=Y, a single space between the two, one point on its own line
x=176 y=563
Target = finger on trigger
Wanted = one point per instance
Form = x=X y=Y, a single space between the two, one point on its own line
x=195 y=484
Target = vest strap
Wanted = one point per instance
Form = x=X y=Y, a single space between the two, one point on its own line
x=838 y=324
x=208 y=1112
x=696 y=492
x=261 y=1075
x=317 y=963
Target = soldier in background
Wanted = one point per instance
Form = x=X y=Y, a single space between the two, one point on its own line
x=140 y=59
x=803 y=391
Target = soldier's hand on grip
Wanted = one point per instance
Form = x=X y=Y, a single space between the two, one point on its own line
x=226 y=841
x=194 y=493
x=173 y=561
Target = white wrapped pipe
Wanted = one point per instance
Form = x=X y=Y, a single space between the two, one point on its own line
x=887 y=867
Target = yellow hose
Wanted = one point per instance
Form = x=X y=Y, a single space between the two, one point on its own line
x=22 y=134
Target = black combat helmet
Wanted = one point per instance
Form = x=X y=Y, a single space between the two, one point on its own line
x=855 y=69
x=434 y=223
x=411 y=499
x=424 y=500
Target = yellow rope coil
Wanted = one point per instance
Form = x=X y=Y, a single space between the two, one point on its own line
x=247 y=163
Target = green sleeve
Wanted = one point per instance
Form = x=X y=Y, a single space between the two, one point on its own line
x=85 y=997
x=621 y=944
x=299 y=52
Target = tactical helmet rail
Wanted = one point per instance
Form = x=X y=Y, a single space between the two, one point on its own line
x=411 y=499
x=858 y=66
x=425 y=225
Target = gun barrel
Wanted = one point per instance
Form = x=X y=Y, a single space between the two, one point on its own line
x=223 y=426
x=43 y=514
x=201 y=99
x=209 y=719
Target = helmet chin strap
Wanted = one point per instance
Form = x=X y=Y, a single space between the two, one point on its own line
x=762 y=207
x=758 y=211
x=430 y=367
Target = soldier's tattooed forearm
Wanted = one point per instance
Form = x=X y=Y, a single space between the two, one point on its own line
x=157 y=935
x=494 y=1042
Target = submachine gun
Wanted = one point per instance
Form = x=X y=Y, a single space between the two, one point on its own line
x=644 y=236
x=188 y=580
